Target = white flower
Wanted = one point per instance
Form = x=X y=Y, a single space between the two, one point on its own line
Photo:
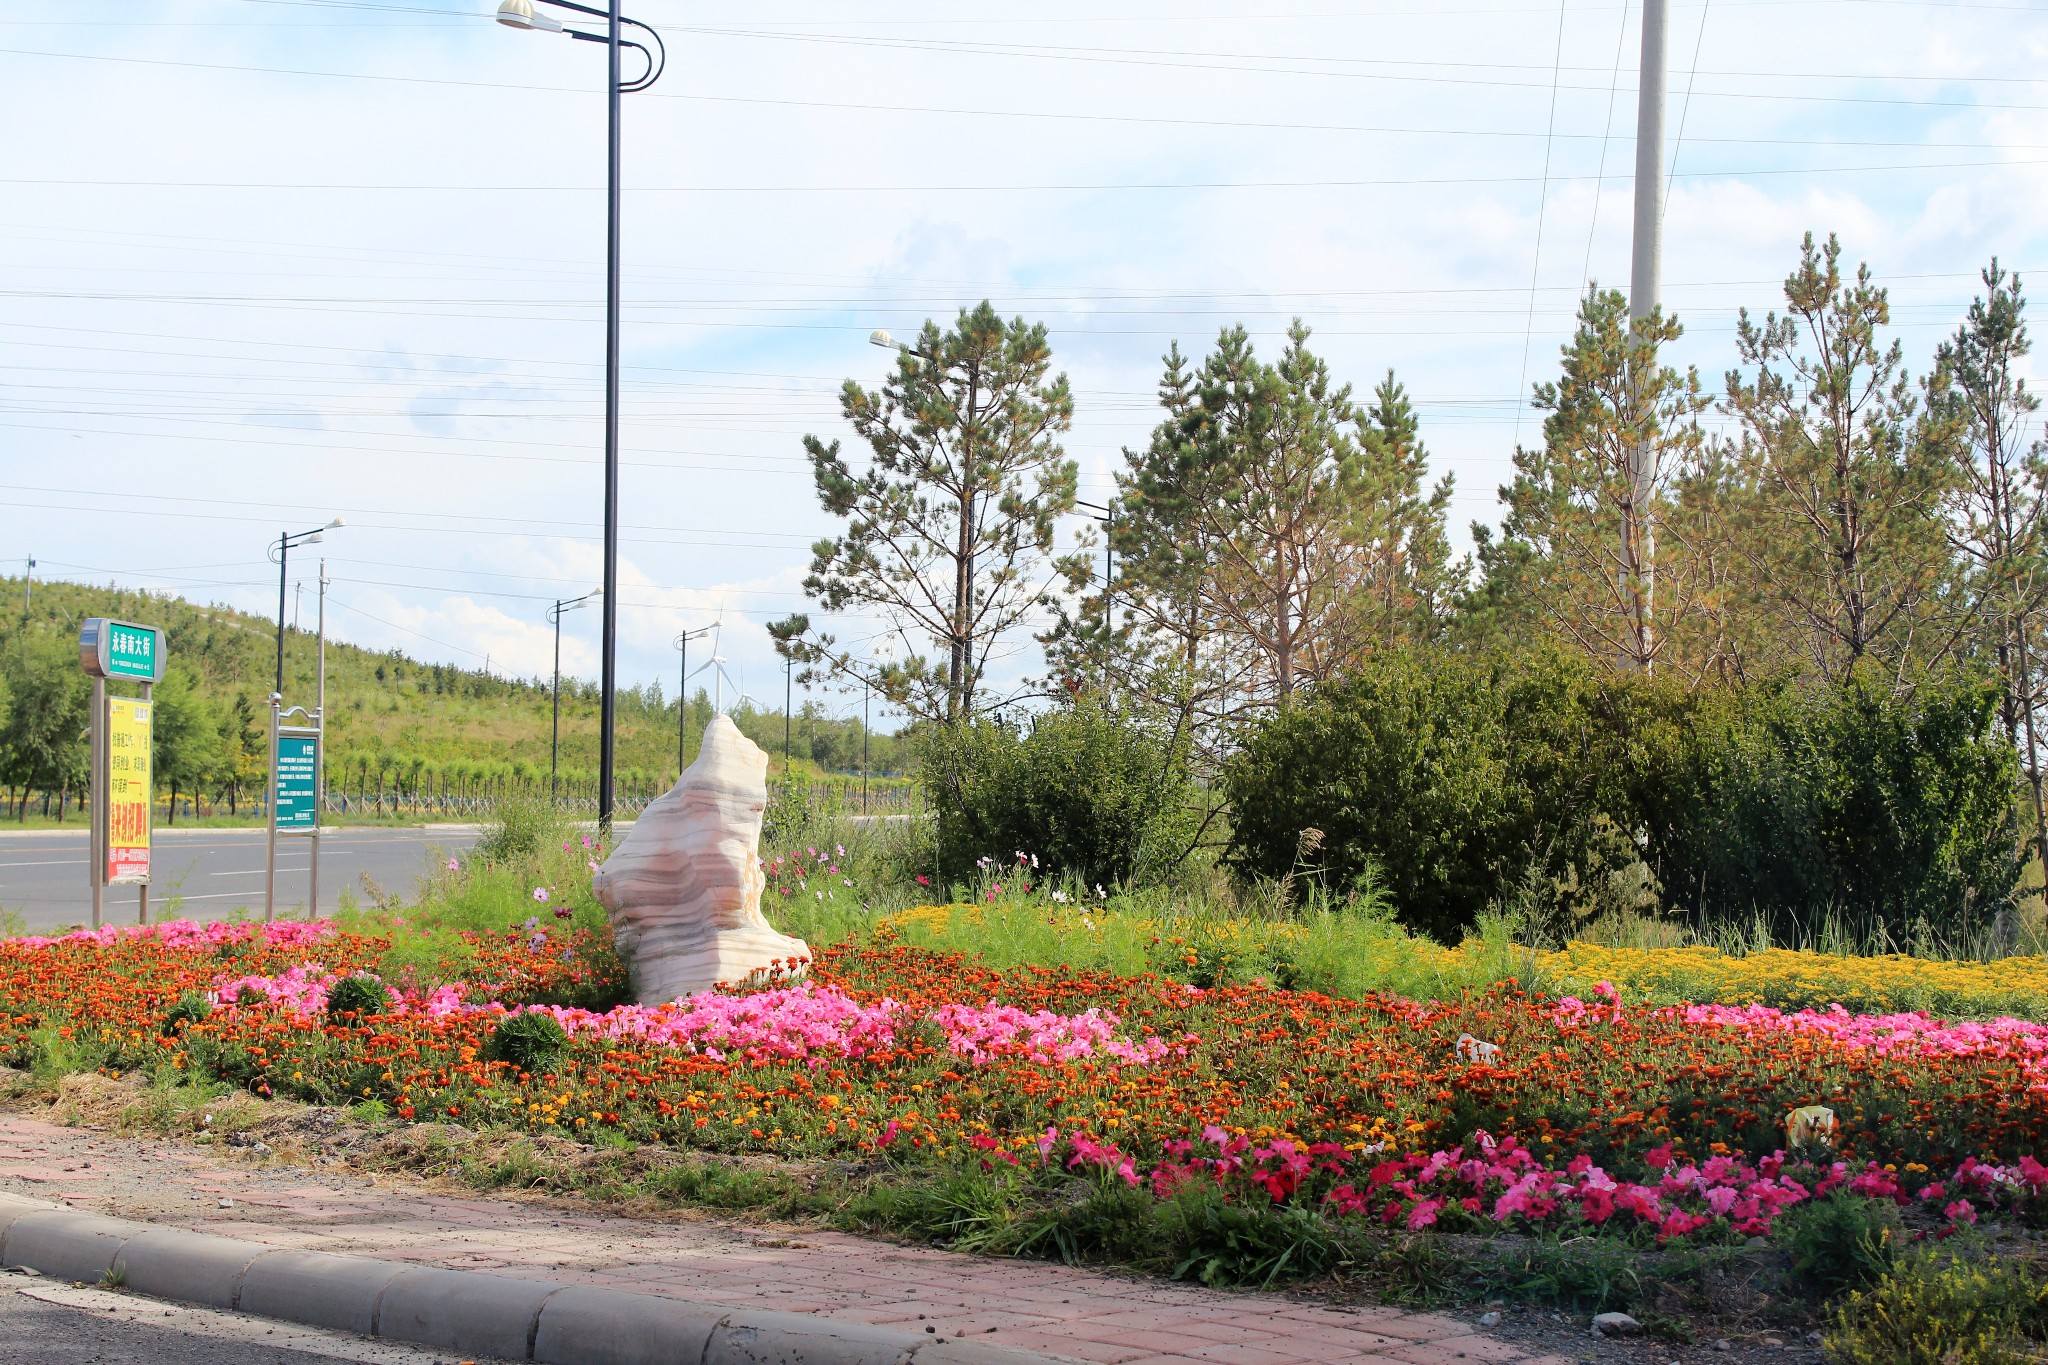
x=1060 y=897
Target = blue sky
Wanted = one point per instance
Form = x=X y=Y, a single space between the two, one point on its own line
x=271 y=261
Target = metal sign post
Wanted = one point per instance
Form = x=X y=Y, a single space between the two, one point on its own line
x=121 y=747
x=294 y=797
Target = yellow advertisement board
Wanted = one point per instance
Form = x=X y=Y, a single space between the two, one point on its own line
x=127 y=791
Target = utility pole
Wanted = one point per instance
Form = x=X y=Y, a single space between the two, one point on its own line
x=1646 y=264
x=28 y=586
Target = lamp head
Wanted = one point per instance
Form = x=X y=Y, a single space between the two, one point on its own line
x=337 y=522
x=521 y=14
x=313 y=539
x=880 y=336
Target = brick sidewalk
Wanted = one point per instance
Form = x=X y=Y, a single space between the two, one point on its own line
x=1083 y=1314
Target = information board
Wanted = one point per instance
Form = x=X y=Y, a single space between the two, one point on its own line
x=297 y=762
x=128 y=798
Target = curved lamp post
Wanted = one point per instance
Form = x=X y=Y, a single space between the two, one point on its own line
x=555 y=736
x=280 y=550
x=523 y=14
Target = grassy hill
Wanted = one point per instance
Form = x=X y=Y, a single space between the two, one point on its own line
x=394 y=723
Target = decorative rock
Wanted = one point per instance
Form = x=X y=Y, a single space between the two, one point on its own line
x=684 y=886
x=1489 y=1319
x=1615 y=1325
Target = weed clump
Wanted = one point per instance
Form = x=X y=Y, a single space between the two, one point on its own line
x=1934 y=1308
x=1843 y=1242
x=362 y=996
x=191 y=1007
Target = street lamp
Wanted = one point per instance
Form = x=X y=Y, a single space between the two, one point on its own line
x=287 y=541
x=555 y=740
x=522 y=14
x=682 y=643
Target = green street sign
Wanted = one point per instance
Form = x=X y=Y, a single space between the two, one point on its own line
x=121 y=649
x=297 y=759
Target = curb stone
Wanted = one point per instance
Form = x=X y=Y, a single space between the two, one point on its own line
x=460 y=1310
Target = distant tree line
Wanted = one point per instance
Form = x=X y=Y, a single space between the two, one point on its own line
x=401 y=733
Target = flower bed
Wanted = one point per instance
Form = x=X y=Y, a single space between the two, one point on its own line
x=1354 y=954
x=1497 y=1108
x=1792 y=980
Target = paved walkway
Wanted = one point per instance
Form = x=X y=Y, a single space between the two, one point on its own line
x=1082 y=1314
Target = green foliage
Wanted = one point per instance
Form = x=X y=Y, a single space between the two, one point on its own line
x=1937 y=1308
x=793 y=816
x=1095 y=792
x=1544 y=786
x=190 y=1007
x=1455 y=777
x=1885 y=812
x=526 y=827
x=1225 y=1243
x=48 y=699
x=1843 y=1242
x=1587 y=1274
x=530 y=1040
x=722 y=1185
x=362 y=996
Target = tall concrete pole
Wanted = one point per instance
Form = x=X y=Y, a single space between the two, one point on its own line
x=1646 y=265
x=1647 y=261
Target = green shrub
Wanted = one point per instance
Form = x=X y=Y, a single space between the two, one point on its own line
x=531 y=1040
x=792 y=815
x=361 y=996
x=1457 y=779
x=191 y=1006
x=1096 y=792
x=1882 y=813
x=1539 y=785
x=1935 y=1308
x=1843 y=1242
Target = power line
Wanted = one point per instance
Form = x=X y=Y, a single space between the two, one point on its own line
x=1542 y=202
x=1606 y=133
x=1082 y=55
x=1046 y=187
x=1685 y=105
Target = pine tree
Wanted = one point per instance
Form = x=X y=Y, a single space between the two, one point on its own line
x=1997 y=501
x=1846 y=538
x=1623 y=429
x=950 y=526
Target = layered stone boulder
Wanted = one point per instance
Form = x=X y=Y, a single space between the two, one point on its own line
x=683 y=887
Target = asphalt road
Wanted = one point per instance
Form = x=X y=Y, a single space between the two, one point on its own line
x=214 y=872
x=44 y=1323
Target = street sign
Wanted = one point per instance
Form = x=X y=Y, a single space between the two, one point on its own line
x=121 y=649
x=298 y=755
x=127 y=792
